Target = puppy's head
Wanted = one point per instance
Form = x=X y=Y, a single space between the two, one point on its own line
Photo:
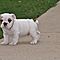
x=6 y=20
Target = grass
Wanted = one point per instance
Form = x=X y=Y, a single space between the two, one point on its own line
x=25 y=8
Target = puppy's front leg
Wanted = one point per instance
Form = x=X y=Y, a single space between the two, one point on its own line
x=5 y=39
x=15 y=39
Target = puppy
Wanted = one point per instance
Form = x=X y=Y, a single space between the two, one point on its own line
x=13 y=28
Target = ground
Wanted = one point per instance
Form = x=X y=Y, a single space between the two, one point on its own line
x=48 y=47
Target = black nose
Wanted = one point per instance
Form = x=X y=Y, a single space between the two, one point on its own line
x=5 y=23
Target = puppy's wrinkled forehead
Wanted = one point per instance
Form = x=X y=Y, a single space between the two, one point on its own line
x=6 y=16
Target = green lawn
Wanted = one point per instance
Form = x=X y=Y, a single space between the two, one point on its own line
x=26 y=8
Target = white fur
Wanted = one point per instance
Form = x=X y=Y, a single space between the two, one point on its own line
x=20 y=27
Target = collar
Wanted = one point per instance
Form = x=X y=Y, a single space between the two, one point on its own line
x=12 y=25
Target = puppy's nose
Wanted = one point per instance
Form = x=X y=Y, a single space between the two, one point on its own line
x=5 y=23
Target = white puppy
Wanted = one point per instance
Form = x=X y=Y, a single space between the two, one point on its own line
x=13 y=28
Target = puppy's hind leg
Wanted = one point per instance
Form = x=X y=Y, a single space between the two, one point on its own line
x=35 y=36
x=38 y=34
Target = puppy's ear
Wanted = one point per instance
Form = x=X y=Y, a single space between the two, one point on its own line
x=0 y=19
x=14 y=16
x=1 y=16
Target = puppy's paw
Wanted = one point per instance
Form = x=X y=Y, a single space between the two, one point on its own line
x=3 y=43
x=33 y=42
x=12 y=43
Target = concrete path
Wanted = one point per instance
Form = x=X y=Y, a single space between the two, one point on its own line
x=49 y=46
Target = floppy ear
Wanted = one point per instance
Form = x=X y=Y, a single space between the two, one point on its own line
x=14 y=16
x=1 y=16
x=0 y=19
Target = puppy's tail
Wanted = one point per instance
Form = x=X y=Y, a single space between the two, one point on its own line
x=37 y=26
x=37 y=22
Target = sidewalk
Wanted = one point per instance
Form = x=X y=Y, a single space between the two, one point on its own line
x=50 y=21
x=49 y=46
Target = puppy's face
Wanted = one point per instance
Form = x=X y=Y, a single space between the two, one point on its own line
x=7 y=20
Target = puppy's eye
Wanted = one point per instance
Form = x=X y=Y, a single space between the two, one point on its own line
x=9 y=20
x=1 y=21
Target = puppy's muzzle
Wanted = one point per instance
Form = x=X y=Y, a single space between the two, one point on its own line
x=5 y=24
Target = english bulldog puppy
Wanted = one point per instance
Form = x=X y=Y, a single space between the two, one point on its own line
x=13 y=28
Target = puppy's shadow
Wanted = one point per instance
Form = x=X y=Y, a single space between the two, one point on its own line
x=23 y=42
x=26 y=43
